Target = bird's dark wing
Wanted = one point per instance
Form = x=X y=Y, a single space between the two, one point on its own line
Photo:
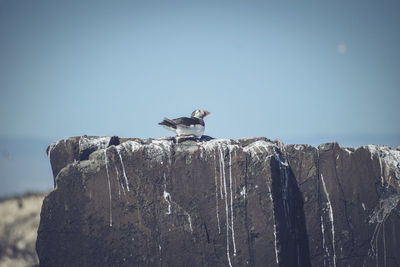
x=184 y=121
x=169 y=123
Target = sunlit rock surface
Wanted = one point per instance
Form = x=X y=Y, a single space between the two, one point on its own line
x=255 y=202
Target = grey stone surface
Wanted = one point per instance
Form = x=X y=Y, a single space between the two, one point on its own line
x=247 y=202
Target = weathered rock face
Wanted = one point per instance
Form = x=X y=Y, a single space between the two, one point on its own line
x=350 y=202
x=129 y=202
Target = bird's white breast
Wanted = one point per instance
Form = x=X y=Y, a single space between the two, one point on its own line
x=196 y=130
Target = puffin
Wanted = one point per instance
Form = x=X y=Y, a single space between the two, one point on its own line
x=185 y=126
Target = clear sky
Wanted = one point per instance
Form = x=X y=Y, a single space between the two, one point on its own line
x=301 y=71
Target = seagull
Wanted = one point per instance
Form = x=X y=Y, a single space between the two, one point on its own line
x=185 y=126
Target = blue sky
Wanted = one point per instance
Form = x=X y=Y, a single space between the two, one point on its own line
x=301 y=71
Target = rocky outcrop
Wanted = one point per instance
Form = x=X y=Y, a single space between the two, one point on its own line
x=350 y=201
x=255 y=202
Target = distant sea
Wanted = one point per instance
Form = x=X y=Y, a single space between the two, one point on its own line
x=24 y=166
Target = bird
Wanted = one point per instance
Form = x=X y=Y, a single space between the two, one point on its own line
x=184 y=126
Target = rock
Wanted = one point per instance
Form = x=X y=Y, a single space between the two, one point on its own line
x=347 y=190
x=214 y=202
x=62 y=153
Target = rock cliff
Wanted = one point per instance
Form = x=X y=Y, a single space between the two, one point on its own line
x=246 y=202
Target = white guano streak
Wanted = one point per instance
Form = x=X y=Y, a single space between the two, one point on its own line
x=373 y=153
x=323 y=232
x=167 y=198
x=323 y=238
x=216 y=197
x=221 y=158
x=380 y=165
x=331 y=219
x=243 y=192
x=275 y=236
x=109 y=185
x=230 y=187
x=118 y=180
x=221 y=173
x=189 y=220
x=123 y=170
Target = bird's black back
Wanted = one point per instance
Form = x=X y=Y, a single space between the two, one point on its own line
x=188 y=121
x=184 y=121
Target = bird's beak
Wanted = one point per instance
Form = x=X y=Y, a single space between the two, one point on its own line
x=206 y=113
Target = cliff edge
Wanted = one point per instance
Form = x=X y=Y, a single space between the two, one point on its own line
x=246 y=202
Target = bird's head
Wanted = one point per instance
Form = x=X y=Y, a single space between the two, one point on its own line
x=199 y=113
